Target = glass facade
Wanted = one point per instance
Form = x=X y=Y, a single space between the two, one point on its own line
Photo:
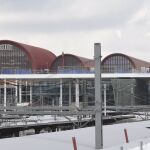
x=13 y=60
x=117 y=64
x=66 y=63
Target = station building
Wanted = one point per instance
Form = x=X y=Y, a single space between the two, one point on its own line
x=17 y=58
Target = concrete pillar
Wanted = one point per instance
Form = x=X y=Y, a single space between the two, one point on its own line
x=26 y=91
x=30 y=94
x=69 y=93
x=105 y=100
x=5 y=101
x=85 y=98
x=98 y=97
x=132 y=95
x=20 y=93
x=53 y=102
x=16 y=93
x=61 y=93
x=77 y=93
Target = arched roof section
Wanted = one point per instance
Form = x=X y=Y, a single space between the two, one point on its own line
x=40 y=58
x=124 y=61
x=70 y=60
x=86 y=61
x=119 y=54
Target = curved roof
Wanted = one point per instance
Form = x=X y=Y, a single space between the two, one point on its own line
x=40 y=58
x=86 y=61
x=137 y=63
x=83 y=62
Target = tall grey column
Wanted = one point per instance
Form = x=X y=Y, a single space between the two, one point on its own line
x=5 y=100
x=69 y=93
x=16 y=93
x=98 y=97
x=20 y=93
x=61 y=94
x=77 y=93
x=105 y=100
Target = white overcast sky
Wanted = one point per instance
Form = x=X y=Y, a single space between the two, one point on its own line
x=73 y=26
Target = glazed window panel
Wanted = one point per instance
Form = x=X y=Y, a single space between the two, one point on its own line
x=117 y=64
x=13 y=60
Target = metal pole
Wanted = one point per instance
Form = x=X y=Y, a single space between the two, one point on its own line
x=61 y=94
x=30 y=94
x=105 y=100
x=26 y=92
x=5 y=100
x=132 y=102
x=85 y=98
x=16 y=93
x=69 y=93
x=98 y=97
x=20 y=93
x=77 y=93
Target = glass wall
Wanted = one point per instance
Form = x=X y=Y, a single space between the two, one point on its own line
x=13 y=60
x=117 y=63
x=66 y=64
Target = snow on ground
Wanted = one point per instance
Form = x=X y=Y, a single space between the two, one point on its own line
x=38 y=120
x=113 y=138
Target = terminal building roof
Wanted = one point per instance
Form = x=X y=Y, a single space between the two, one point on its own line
x=40 y=58
x=70 y=61
x=119 y=62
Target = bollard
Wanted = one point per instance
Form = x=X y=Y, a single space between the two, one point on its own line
x=121 y=148
x=141 y=145
x=126 y=135
x=74 y=143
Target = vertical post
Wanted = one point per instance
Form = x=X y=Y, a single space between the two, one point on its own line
x=105 y=100
x=98 y=97
x=74 y=143
x=53 y=104
x=77 y=93
x=126 y=136
x=61 y=94
x=16 y=93
x=132 y=102
x=117 y=94
x=85 y=98
x=26 y=91
x=69 y=93
x=5 y=101
x=20 y=93
x=141 y=145
x=41 y=95
x=30 y=94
